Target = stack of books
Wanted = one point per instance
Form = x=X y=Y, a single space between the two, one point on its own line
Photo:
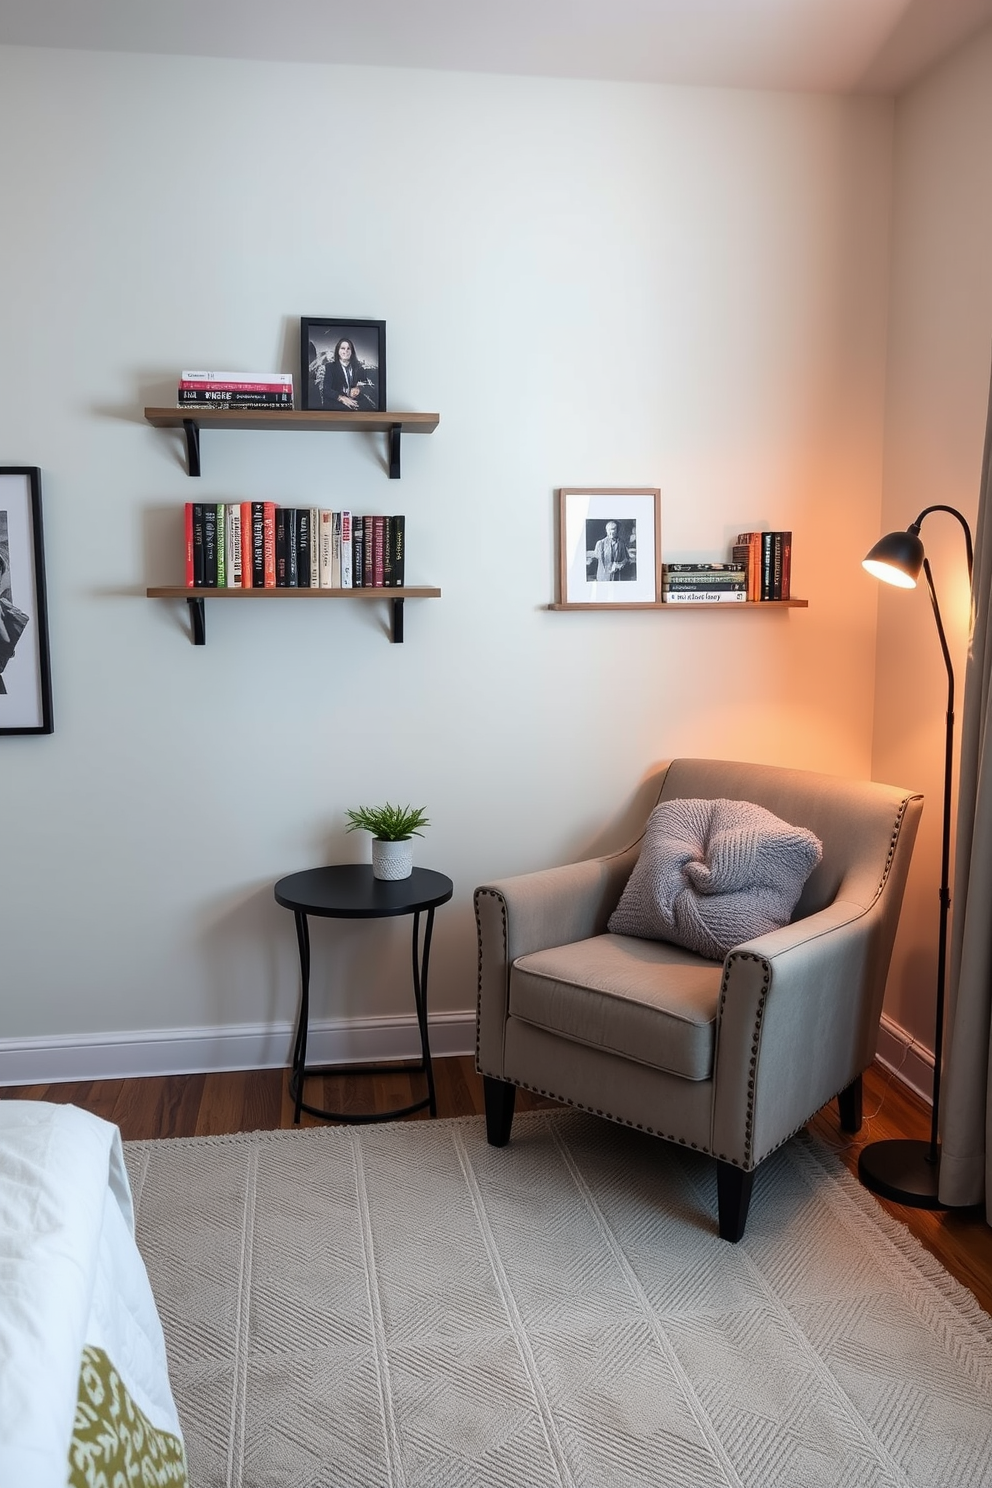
x=704 y=583
x=259 y=545
x=768 y=556
x=235 y=390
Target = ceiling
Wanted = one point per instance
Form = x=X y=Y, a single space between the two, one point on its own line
x=859 y=46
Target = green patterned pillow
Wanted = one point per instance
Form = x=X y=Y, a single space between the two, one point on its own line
x=113 y=1442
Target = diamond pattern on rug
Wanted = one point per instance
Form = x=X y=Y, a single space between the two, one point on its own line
x=403 y=1306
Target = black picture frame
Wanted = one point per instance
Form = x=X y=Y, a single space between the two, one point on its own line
x=320 y=341
x=25 y=669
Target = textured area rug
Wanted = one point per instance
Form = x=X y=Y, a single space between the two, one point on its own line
x=406 y=1306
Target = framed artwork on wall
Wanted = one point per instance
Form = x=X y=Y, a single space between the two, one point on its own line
x=343 y=365
x=25 y=675
x=609 y=546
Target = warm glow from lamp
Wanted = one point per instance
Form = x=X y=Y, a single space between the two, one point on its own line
x=888 y=574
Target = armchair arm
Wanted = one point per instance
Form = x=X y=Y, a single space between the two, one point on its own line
x=532 y=912
x=797 y=1022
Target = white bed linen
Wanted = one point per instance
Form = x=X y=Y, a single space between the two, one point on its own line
x=70 y=1275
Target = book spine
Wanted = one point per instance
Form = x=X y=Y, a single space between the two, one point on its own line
x=767 y=565
x=303 y=548
x=188 y=533
x=232 y=529
x=704 y=596
x=235 y=380
x=207 y=397
x=292 y=521
x=247 y=577
x=786 y=545
x=378 y=552
x=715 y=580
x=397 y=527
x=358 y=553
x=269 y=544
x=282 y=565
x=257 y=545
x=368 y=526
x=708 y=585
x=387 y=553
x=221 y=514
x=314 y=555
x=776 y=566
x=752 y=541
x=336 y=550
x=326 y=525
x=210 y=545
x=346 y=552
x=737 y=567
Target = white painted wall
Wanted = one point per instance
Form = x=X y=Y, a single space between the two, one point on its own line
x=593 y=284
x=940 y=347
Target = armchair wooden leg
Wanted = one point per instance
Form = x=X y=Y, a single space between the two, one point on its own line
x=733 y=1195
x=499 y=1110
x=849 y=1104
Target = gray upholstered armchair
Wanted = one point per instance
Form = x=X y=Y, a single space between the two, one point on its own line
x=729 y=1058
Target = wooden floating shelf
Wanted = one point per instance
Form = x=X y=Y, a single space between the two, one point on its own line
x=194 y=418
x=675 y=609
x=196 y=598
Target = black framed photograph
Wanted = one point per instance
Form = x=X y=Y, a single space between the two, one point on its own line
x=343 y=365
x=25 y=674
x=609 y=546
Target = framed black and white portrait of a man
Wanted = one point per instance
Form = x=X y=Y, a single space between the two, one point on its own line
x=343 y=365
x=25 y=676
x=609 y=546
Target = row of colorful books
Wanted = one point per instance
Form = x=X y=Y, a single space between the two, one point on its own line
x=199 y=389
x=259 y=545
x=760 y=569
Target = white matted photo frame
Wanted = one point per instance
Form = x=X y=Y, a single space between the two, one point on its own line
x=25 y=674
x=609 y=546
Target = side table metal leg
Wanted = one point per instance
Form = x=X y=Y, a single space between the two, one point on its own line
x=300 y=1047
x=420 y=968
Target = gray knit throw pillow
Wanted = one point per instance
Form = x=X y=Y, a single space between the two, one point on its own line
x=713 y=874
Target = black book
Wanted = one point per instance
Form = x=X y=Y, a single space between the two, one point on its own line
x=767 y=565
x=303 y=540
x=209 y=546
x=282 y=567
x=291 y=515
x=397 y=544
x=357 y=553
x=198 y=569
x=258 y=545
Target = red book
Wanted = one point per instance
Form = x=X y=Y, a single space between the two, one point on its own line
x=378 y=552
x=246 y=582
x=189 y=544
x=269 y=543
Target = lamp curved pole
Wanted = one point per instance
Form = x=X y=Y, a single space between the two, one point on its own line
x=888 y=1167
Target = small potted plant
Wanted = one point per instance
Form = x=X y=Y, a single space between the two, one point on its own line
x=393 y=829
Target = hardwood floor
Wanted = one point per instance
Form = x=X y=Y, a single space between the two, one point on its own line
x=250 y=1100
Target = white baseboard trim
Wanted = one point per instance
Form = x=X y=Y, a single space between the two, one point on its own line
x=908 y=1060
x=195 y=1051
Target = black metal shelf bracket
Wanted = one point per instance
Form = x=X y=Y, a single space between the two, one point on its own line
x=198 y=621
x=397 y=621
x=192 y=447
x=394 y=452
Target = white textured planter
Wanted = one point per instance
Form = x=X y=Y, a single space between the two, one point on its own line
x=392 y=860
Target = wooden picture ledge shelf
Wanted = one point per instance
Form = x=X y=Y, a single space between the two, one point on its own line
x=192 y=420
x=196 y=599
x=676 y=609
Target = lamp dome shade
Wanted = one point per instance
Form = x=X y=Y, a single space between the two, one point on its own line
x=896 y=559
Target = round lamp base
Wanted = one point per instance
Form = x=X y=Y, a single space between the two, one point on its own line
x=901 y=1171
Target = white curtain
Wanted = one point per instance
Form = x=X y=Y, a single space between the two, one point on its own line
x=966 y=1092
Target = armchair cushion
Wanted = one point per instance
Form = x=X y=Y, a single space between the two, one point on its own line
x=713 y=874
x=642 y=999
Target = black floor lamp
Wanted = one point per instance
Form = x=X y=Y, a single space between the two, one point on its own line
x=907 y=1171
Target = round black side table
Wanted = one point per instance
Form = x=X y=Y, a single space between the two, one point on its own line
x=348 y=891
